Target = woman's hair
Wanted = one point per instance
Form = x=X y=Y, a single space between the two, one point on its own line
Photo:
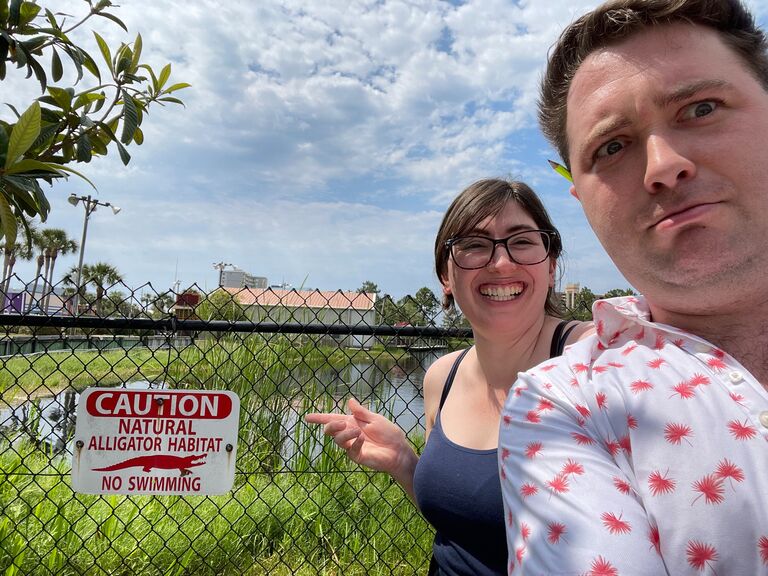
x=484 y=199
x=617 y=20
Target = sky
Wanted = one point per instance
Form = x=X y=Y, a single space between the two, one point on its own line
x=321 y=140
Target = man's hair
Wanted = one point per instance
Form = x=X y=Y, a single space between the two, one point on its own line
x=617 y=20
x=485 y=199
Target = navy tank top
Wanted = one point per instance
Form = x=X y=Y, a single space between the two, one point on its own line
x=458 y=491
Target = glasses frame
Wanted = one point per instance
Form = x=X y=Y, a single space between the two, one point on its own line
x=550 y=235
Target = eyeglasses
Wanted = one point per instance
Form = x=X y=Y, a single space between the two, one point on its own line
x=527 y=248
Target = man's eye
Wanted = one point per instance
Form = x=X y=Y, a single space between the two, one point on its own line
x=699 y=109
x=609 y=149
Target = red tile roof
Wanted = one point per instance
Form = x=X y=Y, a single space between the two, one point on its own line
x=339 y=300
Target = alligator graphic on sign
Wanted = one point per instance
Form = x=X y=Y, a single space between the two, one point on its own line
x=159 y=461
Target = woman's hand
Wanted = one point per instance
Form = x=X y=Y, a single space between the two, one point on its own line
x=369 y=439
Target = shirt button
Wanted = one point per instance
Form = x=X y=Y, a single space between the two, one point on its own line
x=764 y=419
x=735 y=376
x=701 y=347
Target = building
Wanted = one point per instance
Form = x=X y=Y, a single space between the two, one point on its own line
x=23 y=300
x=571 y=295
x=237 y=278
x=339 y=308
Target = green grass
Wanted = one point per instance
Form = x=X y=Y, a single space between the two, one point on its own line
x=316 y=514
x=336 y=522
x=23 y=376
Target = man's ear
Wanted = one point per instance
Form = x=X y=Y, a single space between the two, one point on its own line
x=574 y=193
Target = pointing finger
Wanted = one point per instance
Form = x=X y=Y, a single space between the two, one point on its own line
x=321 y=417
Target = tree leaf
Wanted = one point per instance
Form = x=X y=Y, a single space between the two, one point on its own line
x=99 y=147
x=171 y=99
x=47 y=133
x=14 y=13
x=76 y=173
x=165 y=73
x=90 y=65
x=3 y=144
x=124 y=156
x=12 y=107
x=28 y=12
x=138 y=136
x=3 y=12
x=152 y=75
x=100 y=102
x=105 y=53
x=177 y=86
x=84 y=148
x=52 y=19
x=24 y=133
x=86 y=98
x=7 y=220
x=74 y=54
x=27 y=165
x=57 y=70
x=137 y=46
x=39 y=73
x=114 y=19
x=20 y=55
x=130 y=118
x=62 y=98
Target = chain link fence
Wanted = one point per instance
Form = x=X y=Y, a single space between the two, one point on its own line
x=298 y=505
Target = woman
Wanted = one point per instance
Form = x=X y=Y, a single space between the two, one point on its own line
x=496 y=256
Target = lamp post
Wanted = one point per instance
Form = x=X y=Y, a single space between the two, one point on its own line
x=90 y=205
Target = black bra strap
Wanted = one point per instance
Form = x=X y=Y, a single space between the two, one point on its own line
x=559 y=338
x=451 y=376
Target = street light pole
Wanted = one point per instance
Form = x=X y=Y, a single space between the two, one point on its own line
x=90 y=205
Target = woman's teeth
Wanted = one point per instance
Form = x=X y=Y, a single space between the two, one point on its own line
x=501 y=293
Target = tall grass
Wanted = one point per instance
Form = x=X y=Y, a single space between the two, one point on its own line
x=341 y=521
x=299 y=506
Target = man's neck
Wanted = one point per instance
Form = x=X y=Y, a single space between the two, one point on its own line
x=742 y=335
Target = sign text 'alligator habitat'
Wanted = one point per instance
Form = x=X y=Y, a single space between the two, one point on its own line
x=155 y=441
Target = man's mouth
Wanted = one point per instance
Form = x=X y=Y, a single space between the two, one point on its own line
x=684 y=215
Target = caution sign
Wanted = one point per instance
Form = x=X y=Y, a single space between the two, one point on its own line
x=155 y=441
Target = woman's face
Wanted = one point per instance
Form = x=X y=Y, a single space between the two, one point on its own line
x=503 y=295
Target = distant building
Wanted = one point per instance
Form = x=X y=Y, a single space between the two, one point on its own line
x=571 y=295
x=311 y=307
x=237 y=278
x=18 y=300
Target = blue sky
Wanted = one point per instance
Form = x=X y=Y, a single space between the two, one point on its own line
x=323 y=139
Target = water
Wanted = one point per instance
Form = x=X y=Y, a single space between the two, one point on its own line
x=50 y=420
x=392 y=390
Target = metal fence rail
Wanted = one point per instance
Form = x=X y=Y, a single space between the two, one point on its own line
x=298 y=506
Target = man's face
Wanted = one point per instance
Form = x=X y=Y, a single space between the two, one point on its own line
x=668 y=135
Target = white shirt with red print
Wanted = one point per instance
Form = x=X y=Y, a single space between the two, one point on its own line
x=641 y=451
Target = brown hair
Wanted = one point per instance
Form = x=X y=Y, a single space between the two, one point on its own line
x=616 y=20
x=484 y=199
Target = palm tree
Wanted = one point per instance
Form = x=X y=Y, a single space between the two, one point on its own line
x=103 y=276
x=52 y=242
x=13 y=251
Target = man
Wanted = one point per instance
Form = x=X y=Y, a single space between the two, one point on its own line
x=643 y=451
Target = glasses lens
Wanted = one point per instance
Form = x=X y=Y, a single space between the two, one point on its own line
x=529 y=247
x=472 y=251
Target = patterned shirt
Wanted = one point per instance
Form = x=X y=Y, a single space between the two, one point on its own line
x=641 y=451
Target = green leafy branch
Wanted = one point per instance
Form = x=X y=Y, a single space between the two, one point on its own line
x=64 y=125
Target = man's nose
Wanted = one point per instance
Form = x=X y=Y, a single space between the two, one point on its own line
x=667 y=164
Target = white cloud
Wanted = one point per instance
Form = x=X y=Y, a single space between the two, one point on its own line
x=324 y=137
